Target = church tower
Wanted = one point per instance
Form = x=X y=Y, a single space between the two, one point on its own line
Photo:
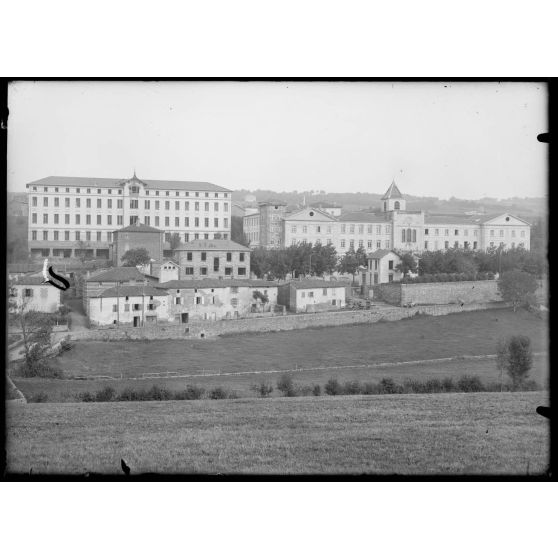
x=393 y=199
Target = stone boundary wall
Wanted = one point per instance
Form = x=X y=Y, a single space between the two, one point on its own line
x=450 y=292
x=276 y=323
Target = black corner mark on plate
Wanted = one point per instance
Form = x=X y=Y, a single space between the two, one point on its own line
x=62 y=280
x=125 y=467
x=543 y=411
x=544 y=138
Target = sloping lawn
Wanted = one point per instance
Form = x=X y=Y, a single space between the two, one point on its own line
x=486 y=433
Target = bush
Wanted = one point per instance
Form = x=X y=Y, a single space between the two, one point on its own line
x=470 y=383
x=413 y=386
x=433 y=386
x=333 y=387
x=85 y=397
x=262 y=389
x=388 y=386
x=286 y=386
x=38 y=368
x=317 y=390
x=369 y=388
x=218 y=393
x=106 y=394
x=352 y=388
x=156 y=393
x=448 y=385
x=41 y=397
x=304 y=390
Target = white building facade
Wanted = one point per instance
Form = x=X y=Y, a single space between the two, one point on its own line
x=68 y=214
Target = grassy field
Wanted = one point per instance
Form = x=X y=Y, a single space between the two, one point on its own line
x=425 y=337
x=484 y=433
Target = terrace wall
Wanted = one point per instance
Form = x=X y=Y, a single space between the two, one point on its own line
x=276 y=323
x=456 y=292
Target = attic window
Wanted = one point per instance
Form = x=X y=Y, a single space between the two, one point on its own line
x=507 y=218
x=276 y=207
x=311 y=213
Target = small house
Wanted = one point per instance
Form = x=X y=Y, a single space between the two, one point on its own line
x=313 y=295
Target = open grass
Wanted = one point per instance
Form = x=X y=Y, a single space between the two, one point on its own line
x=425 y=337
x=67 y=390
x=484 y=433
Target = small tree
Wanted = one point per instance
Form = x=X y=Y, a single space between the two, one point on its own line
x=408 y=264
x=349 y=263
x=174 y=241
x=259 y=295
x=515 y=356
x=36 y=330
x=136 y=256
x=517 y=287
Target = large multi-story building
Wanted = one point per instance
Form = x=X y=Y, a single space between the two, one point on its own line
x=265 y=228
x=396 y=228
x=75 y=214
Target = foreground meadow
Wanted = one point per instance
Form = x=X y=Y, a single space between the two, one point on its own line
x=455 y=434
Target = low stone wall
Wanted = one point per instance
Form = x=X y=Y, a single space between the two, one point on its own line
x=277 y=323
x=452 y=292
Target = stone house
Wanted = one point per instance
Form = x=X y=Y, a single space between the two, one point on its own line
x=29 y=292
x=95 y=284
x=313 y=295
x=213 y=259
x=214 y=299
x=165 y=270
x=135 y=305
x=382 y=268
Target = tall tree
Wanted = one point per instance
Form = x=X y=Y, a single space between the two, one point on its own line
x=175 y=241
x=515 y=356
x=517 y=287
x=407 y=264
x=349 y=263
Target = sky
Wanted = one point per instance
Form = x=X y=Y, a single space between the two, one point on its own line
x=442 y=139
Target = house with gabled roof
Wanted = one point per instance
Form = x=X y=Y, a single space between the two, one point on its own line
x=309 y=225
x=313 y=295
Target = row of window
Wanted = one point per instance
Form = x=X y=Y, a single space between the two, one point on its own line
x=369 y=229
x=133 y=218
x=133 y=190
x=203 y=270
x=466 y=245
x=456 y=232
x=134 y=204
x=311 y=293
x=98 y=236
x=370 y=244
x=203 y=257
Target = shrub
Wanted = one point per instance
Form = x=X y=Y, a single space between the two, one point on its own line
x=194 y=392
x=286 y=386
x=413 y=386
x=304 y=390
x=218 y=393
x=106 y=394
x=85 y=397
x=433 y=386
x=388 y=386
x=370 y=388
x=156 y=393
x=470 y=383
x=41 y=397
x=333 y=387
x=352 y=388
x=448 y=384
x=317 y=390
x=262 y=389
x=514 y=355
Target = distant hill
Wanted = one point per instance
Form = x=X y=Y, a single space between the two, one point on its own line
x=528 y=208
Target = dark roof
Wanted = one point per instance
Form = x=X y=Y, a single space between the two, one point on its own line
x=377 y=254
x=317 y=284
x=88 y=182
x=272 y=202
x=130 y=290
x=139 y=227
x=117 y=274
x=24 y=267
x=392 y=192
x=215 y=244
x=29 y=280
x=214 y=283
x=363 y=217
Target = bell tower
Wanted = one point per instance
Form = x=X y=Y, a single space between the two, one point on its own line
x=393 y=199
